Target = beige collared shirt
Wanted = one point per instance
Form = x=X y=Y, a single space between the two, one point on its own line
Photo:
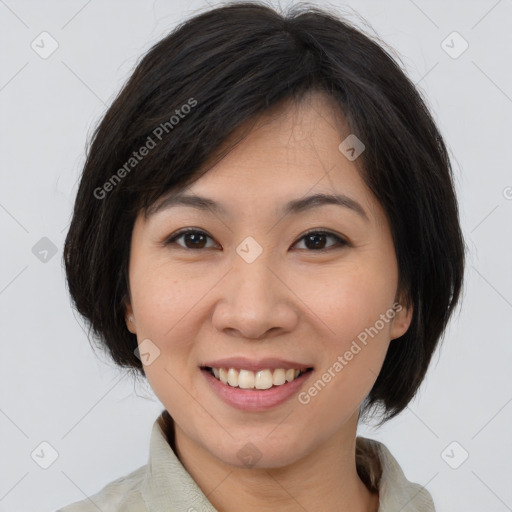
x=164 y=485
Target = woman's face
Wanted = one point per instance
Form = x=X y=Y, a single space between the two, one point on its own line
x=249 y=291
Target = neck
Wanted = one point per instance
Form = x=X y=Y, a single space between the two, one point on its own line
x=326 y=479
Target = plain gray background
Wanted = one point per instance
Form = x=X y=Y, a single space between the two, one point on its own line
x=54 y=388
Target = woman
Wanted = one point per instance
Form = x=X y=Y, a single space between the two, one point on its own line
x=266 y=229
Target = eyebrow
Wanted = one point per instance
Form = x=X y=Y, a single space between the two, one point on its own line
x=294 y=206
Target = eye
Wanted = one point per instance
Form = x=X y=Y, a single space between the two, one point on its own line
x=194 y=238
x=316 y=240
x=197 y=239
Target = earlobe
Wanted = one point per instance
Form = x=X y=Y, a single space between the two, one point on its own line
x=129 y=318
x=401 y=321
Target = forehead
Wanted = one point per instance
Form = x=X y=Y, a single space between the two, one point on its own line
x=289 y=152
x=299 y=134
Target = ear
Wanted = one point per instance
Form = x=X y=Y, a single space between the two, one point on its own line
x=129 y=317
x=402 y=319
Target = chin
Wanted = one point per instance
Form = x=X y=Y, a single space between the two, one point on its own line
x=258 y=451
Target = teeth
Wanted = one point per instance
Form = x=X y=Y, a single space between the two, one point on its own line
x=263 y=379
x=247 y=379
x=233 y=377
x=279 y=377
x=223 y=375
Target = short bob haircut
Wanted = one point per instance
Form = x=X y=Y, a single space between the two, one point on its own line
x=223 y=68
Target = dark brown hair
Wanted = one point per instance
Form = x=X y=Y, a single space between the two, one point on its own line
x=209 y=76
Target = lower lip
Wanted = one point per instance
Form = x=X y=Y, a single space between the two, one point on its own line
x=255 y=399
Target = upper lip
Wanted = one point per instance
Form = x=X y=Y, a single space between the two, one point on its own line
x=270 y=363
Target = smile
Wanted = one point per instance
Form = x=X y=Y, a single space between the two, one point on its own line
x=262 y=379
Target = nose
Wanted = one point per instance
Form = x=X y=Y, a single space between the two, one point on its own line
x=255 y=301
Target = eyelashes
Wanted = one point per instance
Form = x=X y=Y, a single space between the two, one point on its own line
x=340 y=242
x=198 y=237
x=182 y=233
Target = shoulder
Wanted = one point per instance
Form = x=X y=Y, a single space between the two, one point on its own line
x=122 y=494
x=396 y=492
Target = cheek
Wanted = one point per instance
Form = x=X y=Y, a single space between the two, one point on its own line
x=347 y=299
x=354 y=304
x=163 y=298
x=353 y=353
x=163 y=306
